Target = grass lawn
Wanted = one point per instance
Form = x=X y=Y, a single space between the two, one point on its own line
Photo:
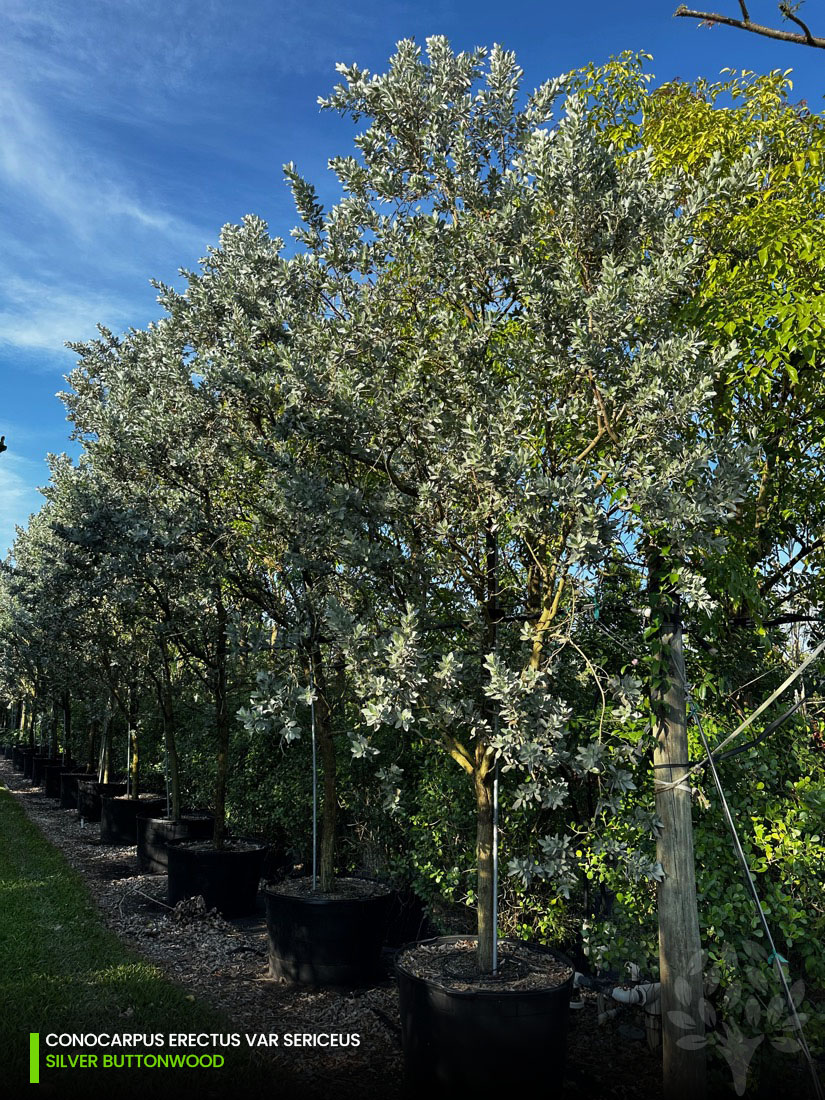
x=62 y=971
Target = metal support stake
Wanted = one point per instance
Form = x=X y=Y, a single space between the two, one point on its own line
x=495 y=865
x=166 y=772
x=314 y=786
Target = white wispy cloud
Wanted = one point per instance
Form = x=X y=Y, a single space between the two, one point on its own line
x=153 y=58
x=70 y=181
x=36 y=315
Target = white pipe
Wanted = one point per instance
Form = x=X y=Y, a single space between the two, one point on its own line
x=647 y=994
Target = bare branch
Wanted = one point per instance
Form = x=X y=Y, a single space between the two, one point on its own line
x=789 y=13
x=805 y=39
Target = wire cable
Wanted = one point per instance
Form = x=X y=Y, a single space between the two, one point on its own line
x=662 y=786
x=740 y=855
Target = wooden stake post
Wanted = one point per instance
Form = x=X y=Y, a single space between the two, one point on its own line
x=680 y=948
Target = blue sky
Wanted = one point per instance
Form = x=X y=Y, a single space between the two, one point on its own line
x=131 y=131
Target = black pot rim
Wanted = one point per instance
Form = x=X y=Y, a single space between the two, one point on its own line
x=468 y=994
x=271 y=890
x=186 y=815
x=258 y=845
x=124 y=798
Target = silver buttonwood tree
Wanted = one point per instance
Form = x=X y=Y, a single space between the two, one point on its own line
x=499 y=342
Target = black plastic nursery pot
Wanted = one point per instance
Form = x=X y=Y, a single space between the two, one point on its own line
x=408 y=921
x=68 y=788
x=118 y=816
x=89 y=794
x=28 y=761
x=326 y=941
x=154 y=833
x=39 y=765
x=482 y=1042
x=227 y=879
x=51 y=778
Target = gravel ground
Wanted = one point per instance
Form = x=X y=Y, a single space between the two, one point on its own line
x=225 y=964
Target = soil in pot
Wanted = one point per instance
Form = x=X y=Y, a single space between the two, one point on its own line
x=119 y=813
x=326 y=940
x=89 y=793
x=484 y=1034
x=226 y=879
x=154 y=833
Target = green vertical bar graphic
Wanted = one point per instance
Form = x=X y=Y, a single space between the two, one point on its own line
x=34 y=1058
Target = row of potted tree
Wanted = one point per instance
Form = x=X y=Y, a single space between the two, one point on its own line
x=388 y=482
x=331 y=937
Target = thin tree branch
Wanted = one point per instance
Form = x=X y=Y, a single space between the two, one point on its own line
x=787 y=11
x=806 y=39
x=747 y=622
x=780 y=573
x=782 y=620
x=594 y=442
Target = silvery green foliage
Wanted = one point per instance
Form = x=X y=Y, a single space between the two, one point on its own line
x=478 y=346
x=273 y=706
x=390 y=779
x=72 y=617
x=479 y=341
x=496 y=339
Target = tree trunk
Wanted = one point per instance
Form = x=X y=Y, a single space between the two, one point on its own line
x=680 y=948
x=53 y=724
x=326 y=746
x=221 y=725
x=26 y=723
x=91 y=744
x=170 y=743
x=106 y=745
x=66 y=704
x=482 y=773
x=134 y=747
x=482 y=782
